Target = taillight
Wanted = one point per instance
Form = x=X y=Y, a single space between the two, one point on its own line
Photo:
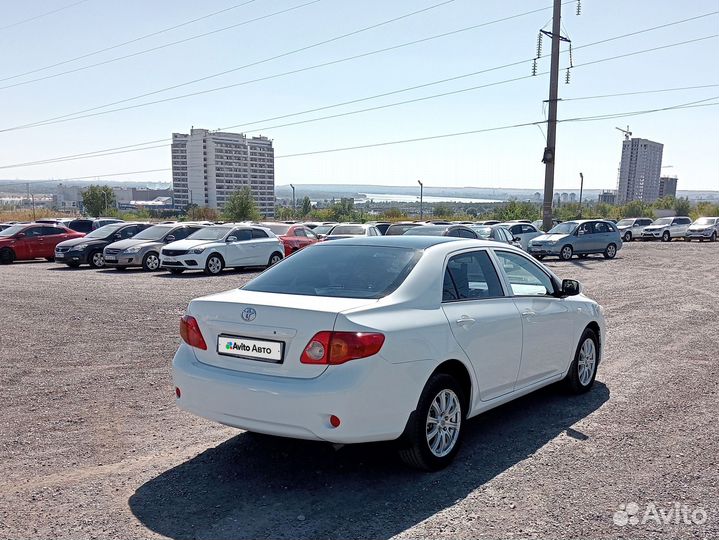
x=340 y=347
x=190 y=332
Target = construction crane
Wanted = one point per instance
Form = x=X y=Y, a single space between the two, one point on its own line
x=627 y=133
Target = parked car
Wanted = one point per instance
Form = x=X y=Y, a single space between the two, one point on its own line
x=705 y=228
x=24 y=242
x=390 y=338
x=631 y=228
x=102 y=221
x=348 y=230
x=231 y=245
x=457 y=231
x=382 y=226
x=667 y=228
x=539 y=224
x=83 y=225
x=4 y=226
x=496 y=233
x=488 y=222
x=401 y=227
x=293 y=237
x=578 y=237
x=143 y=249
x=524 y=231
x=88 y=250
x=323 y=230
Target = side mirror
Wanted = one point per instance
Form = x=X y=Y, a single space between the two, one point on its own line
x=571 y=287
x=169 y=238
x=117 y=235
x=517 y=239
x=231 y=239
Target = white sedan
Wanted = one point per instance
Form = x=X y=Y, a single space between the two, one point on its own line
x=524 y=231
x=396 y=337
x=214 y=248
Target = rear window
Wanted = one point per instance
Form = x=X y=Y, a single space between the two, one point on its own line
x=348 y=229
x=345 y=271
x=394 y=230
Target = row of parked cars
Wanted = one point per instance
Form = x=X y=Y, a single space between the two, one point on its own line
x=669 y=228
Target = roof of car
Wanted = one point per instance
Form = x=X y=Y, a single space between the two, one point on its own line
x=411 y=242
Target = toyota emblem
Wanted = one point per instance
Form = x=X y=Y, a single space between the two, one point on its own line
x=249 y=314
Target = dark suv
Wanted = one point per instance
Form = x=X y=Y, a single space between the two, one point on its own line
x=88 y=249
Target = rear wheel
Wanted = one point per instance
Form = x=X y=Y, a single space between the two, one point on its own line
x=7 y=256
x=176 y=271
x=214 y=265
x=566 y=253
x=610 y=252
x=435 y=432
x=151 y=262
x=274 y=259
x=96 y=259
x=583 y=370
x=666 y=237
x=627 y=236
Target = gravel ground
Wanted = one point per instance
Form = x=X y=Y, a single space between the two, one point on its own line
x=92 y=445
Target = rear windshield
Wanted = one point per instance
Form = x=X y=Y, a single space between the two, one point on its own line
x=278 y=228
x=345 y=271
x=348 y=229
x=399 y=229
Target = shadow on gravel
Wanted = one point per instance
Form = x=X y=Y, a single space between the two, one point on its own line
x=253 y=486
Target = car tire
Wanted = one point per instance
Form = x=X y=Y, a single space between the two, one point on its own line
x=176 y=271
x=566 y=252
x=96 y=259
x=73 y=264
x=583 y=371
x=7 y=256
x=419 y=449
x=687 y=239
x=274 y=259
x=666 y=237
x=627 y=236
x=610 y=252
x=713 y=237
x=214 y=265
x=539 y=257
x=151 y=262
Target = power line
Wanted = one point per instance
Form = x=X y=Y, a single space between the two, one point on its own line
x=163 y=46
x=73 y=116
x=680 y=106
x=641 y=92
x=134 y=40
x=34 y=18
x=133 y=147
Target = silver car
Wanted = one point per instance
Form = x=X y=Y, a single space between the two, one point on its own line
x=580 y=237
x=667 y=228
x=143 y=249
x=631 y=228
x=704 y=228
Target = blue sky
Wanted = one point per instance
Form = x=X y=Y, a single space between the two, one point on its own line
x=508 y=158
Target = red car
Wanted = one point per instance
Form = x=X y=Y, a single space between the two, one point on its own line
x=293 y=236
x=28 y=241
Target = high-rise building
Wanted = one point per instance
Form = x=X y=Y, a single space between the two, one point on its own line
x=639 y=171
x=667 y=186
x=208 y=167
x=607 y=197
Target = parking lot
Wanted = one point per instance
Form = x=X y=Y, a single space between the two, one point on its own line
x=92 y=445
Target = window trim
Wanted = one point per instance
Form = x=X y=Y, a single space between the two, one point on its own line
x=500 y=275
x=505 y=277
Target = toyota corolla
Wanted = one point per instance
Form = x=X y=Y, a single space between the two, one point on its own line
x=388 y=338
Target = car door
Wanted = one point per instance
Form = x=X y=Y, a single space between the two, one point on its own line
x=238 y=252
x=546 y=320
x=27 y=246
x=602 y=236
x=585 y=242
x=51 y=237
x=528 y=232
x=484 y=321
x=681 y=228
x=263 y=247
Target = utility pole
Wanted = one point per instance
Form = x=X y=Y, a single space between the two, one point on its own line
x=293 y=197
x=33 y=206
x=550 y=151
x=581 y=189
x=421 y=199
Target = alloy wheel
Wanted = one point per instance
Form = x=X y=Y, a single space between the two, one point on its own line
x=152 y=262
x=98 y=261
x=444 y=420
x=587 y=361
x=214 y=265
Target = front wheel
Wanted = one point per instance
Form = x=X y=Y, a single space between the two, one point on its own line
x=713 y=237
x=274 y=259
x=610 y=252
x=151 y=262
x=566 y=253
x=628 y=236
x=435 y=431
x=666 y=236
x=96 y=259
x=583 y=370
x=214 y=265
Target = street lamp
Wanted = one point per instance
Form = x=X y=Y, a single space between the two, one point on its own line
x=581 y=189
x=421 y=199
x=293 y=197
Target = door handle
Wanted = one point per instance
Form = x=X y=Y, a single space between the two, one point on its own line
x=465 y=321
x=528 y=313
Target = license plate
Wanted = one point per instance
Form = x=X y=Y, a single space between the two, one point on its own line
x=169 y=259
x=253 y=349
x=59 y=255
x=110 y=258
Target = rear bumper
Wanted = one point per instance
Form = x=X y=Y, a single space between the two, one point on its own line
x=372 y=398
